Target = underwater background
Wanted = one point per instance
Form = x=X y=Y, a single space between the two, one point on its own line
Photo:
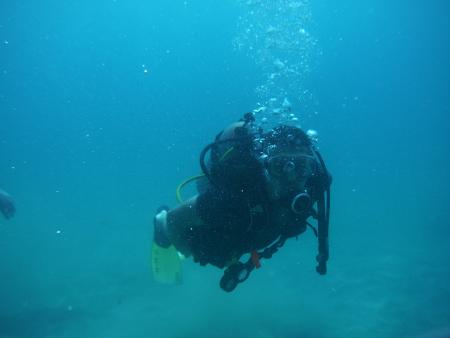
x=105 y=106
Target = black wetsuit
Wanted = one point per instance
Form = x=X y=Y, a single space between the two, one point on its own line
x=234 y=207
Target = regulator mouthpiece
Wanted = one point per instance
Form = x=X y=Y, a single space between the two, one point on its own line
x=301 y=203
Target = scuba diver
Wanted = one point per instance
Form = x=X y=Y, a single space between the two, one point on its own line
x=257 y=189
x=6 y=204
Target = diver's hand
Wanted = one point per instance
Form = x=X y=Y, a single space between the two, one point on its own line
x=7 y=205
x=321 y=267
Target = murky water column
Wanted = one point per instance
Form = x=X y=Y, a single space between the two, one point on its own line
x=274 y=33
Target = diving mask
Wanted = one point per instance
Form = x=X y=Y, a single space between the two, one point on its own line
x=290 y=167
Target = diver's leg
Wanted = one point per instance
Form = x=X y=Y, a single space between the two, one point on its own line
x=175 y=226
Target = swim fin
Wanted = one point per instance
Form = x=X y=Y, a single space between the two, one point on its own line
x=166 y=264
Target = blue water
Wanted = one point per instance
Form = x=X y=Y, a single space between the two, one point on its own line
x=105 y=106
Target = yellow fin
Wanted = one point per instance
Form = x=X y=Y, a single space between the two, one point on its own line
x=166 y=265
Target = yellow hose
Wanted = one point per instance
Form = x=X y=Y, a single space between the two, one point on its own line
x=185 y=182
x=193 y=178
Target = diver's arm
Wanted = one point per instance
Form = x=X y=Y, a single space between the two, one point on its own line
x=323 y=255
x=7 y=206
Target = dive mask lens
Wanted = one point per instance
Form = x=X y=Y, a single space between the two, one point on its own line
x=289 y=166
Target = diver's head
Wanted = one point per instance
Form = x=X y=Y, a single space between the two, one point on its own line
x=289 y=161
